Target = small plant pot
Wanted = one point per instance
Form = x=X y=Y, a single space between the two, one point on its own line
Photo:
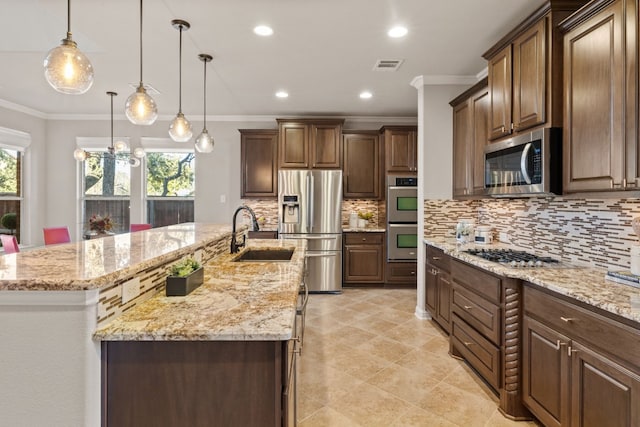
x=182 y=286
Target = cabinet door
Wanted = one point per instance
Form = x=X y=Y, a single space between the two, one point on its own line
x=545 y=373
x=258 y=163
x=603 y=393
x=499 y=69
x=462 y=160
x=326 y=152
x=364 y=264
x=444 y=300
x=401 y=149
x=362 y=178
x=294 y=145
x=529 y=77
x=480 y=138
x=593 y=132
x=431 y=289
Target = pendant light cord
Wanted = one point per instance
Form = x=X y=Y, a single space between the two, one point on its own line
x=205 y=94
x=68 y=19
x=141 y=43
x=180 y=74
x=111 y=95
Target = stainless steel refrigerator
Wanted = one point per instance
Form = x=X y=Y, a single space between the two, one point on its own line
x=310 y=208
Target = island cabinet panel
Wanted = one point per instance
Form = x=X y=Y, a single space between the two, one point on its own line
x=581 y=367
x=594 y=128
x=194 y=383
x=362 y=165
x=304 y=143
x=259 y=163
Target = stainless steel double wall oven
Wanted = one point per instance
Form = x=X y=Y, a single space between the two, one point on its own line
x=402 y=218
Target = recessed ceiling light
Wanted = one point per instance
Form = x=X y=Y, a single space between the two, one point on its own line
x=263 y=30
x=397 y=32
x=282 y=94
x=366 y=94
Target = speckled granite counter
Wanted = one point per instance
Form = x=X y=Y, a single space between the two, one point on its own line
x=239 y=301
x=92 y=264
x=368 y=229
x=585 y=284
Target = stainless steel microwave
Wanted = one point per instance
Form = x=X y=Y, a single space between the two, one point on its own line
x=525 y=165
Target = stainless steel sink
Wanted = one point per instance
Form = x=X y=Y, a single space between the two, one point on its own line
x=264 y=255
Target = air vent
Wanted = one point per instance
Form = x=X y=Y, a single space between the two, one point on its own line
x=388 y=64
x=150 y=89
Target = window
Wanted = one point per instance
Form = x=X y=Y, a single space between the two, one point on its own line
x=106 y=189
x=170 y=187
x=10 y=191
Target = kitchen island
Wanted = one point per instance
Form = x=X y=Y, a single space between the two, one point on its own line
x=54 y=299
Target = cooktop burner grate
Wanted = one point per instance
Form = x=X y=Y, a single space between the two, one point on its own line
x=513 y=258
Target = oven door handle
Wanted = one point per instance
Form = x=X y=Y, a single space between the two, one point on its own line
x=393 y=187
x=523 y=163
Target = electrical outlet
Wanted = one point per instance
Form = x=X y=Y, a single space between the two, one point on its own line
x=130 y=290
x=223 y=198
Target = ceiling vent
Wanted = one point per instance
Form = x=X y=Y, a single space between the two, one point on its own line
x=388 y=64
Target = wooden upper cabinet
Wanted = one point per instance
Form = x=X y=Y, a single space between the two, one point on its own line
x=525 y=72
x=470 y=136
x=362 y=158
x=259 y=163
x=594 y=128
x=529 y=77
x=499 y=70
x=310 y=143
x=401 y=148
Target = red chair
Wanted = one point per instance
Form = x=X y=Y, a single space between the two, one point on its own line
x=9 y=244
x=54 y=235
x=139 y=227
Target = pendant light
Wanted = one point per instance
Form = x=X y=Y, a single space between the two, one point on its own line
x=140 y=108
x=180 y=128
x=204 y=141
x=67 y=69
x=113 y=148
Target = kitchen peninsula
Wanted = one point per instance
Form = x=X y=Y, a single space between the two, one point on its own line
x=53 y=300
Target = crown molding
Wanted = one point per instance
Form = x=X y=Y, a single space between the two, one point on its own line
x=22 y=109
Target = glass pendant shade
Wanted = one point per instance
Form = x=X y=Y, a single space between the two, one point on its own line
x=180 y=129
x=133 y=162
x=140 y=108
x=67 y=69
x=120 y=146
x=139 y=152
x=204 y=142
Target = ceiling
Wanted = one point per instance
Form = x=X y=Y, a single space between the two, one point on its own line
x=322 y=52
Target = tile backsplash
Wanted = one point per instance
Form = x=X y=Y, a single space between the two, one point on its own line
x=595 y=232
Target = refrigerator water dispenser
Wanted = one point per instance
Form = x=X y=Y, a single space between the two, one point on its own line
x=290 y=210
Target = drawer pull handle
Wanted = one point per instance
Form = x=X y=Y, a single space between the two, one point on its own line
x=566 y=319
x=364 y=239
x=571 y=351
x=468 y=307
x=467 y=344
x=435 y=258
x=413 y=273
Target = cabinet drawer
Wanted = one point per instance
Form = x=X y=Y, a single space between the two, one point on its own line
x=402 y=273
x=476 y=280
x=438 y=259
x=610 y=336
x=480 y=353
x=478 y=312
x=363 y=238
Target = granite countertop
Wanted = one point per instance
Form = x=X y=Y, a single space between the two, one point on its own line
x=92 y=264
x=239 y=301
x=585 y=284
x=367 y=229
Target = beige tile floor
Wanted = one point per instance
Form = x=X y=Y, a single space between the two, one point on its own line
x=368 y=361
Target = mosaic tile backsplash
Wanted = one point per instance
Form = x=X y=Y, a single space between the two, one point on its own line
x=595 y=232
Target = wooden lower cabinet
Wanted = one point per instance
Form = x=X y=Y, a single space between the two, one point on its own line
x=198 y=383
x=438 y=287
x=580 y=368
x=402 y=273
x=363 y=262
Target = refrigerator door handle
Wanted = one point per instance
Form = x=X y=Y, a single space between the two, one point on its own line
x=313 y=255
x=319 y=237
x=307 y=190
x=311 y=197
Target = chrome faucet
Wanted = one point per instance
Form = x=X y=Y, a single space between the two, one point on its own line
x=235 y=246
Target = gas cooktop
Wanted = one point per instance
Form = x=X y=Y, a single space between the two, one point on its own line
x=514 y=258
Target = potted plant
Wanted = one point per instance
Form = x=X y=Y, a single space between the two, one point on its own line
x=184 y=276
